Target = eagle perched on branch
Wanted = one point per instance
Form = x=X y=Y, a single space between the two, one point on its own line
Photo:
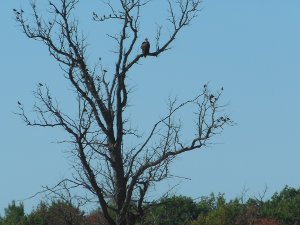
x=145 y=47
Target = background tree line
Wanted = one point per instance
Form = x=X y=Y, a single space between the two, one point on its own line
x=282 y=208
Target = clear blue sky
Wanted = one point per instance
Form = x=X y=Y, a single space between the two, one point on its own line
x=251 y=48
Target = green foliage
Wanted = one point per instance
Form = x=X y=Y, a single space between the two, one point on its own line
x=214 y=210
x=284 y=206
x=58 y=212
x=176 y=210
x=207 y=204
x=38 y=216
x=14 y=215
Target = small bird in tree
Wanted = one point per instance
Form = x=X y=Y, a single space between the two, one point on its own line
x=19 y=103
x=41 y=85
x=145 y=47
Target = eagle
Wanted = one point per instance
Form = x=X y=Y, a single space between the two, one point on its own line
x=145 y=47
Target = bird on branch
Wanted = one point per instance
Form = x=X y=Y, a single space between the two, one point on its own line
x=145 y=47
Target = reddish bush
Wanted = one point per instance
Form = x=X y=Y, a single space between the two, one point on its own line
x=266 y=221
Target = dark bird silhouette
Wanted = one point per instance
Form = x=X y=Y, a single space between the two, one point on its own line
x=212 y=98
x=145 y=47
x=19 y=103
x=41 y=85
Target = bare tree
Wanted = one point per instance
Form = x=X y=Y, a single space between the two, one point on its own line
x=118 y=176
